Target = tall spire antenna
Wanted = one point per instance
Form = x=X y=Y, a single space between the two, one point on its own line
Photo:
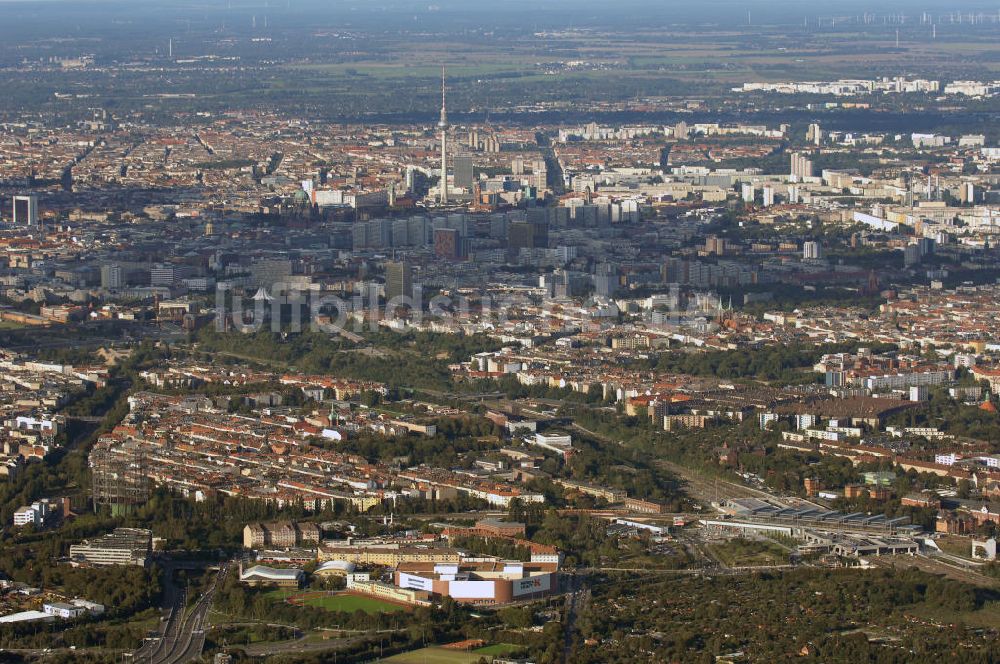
x=443 y=126
x=444 y=106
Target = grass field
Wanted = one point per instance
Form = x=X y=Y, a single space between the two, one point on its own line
x=334 y=602
x=280 y=594
x=496 y=649
x=352 y=603
x=437 y=655
x=749 y=553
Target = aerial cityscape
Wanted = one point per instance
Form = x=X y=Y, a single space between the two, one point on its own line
x=563 y=332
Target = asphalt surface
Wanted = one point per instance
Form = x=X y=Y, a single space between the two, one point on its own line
x=182 y=632
x=577 y=597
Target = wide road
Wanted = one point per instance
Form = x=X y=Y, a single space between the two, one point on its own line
x=187 y=643
x=576 y=597
x=304 y=644
x=172 y=608
x=183 y=636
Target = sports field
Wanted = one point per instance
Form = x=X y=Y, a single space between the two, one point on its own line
x=353 y=603
x=343 y=602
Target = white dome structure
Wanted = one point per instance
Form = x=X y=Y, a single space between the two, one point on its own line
x=336 y=568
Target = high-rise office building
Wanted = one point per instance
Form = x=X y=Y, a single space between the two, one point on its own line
x=464 y=171
x=802 y=166
x=715 y=245
x=768 y=196
x=815 y=134
x=269 y=272
x=112 y=276
x=458 y=222
x=398 y=280
x=606 y=280
x=26 y=210
x=448 y=244
x=812 y=250
x=527 y=235
x=967 y=193
x=162 y=275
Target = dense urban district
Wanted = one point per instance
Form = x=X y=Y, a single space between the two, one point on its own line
x=434 y=334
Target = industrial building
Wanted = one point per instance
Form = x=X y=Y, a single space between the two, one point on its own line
x=753 y=512
x=122 y=546
x=858 y=546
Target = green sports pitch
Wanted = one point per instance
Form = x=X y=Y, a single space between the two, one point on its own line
x=352 y=603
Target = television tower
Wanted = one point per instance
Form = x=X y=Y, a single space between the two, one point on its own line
x=443 y=126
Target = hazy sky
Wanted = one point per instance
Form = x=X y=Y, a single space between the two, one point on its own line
x=800 y=6
x=39 y=16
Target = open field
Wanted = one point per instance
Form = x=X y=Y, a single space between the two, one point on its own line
x=344 y=602
x=367 y=62
x=406 y=69
x=354 y=603
x=496 y=649
x=438 y=655
x=748 y=553
x=396 y=75
x=726 y=56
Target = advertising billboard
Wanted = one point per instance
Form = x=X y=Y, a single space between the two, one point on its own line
x=415 y=582
x=472 y=589
x=536 y=584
